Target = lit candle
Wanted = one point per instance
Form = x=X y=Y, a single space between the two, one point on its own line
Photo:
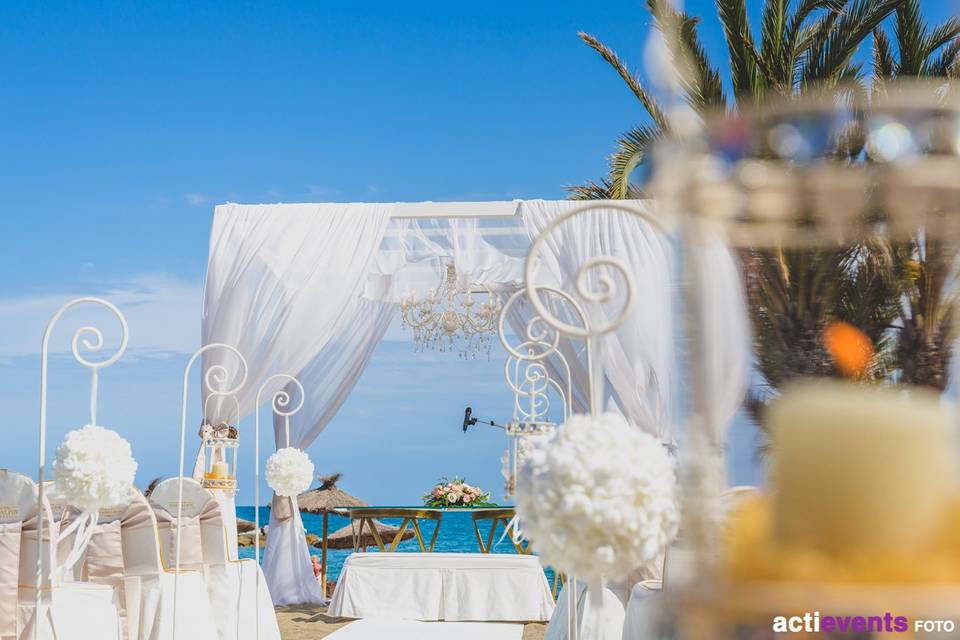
x=859 y=467
x=220 y=470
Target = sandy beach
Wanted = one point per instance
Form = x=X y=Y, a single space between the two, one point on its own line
x=309 y=622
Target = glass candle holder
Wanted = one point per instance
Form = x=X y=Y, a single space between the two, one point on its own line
x=843 y=212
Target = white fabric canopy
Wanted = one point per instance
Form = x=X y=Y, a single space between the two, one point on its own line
x=310 y=289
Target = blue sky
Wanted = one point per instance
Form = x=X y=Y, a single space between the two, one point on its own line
x=122 y=124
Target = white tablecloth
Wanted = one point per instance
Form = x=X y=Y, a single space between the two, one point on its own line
x=442 y=586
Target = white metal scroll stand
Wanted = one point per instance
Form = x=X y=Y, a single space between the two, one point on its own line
x=528 y=378
x=595 y=286
x=280 y=405
x=90 y=339
x=214 y=381
x=526 y=374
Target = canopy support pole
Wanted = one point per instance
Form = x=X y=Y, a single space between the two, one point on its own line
x=323 y=555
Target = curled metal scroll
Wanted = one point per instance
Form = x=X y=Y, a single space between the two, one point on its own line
x=280 y=404
x=86 y=338
x=215 y=381
x=594 y=284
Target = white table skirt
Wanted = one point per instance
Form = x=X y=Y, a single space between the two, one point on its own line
x=443 y=586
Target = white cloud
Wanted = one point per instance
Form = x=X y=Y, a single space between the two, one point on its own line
x=162 y=312
x=322 y=191
x=196 y=199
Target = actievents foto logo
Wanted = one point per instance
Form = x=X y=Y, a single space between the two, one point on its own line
x=886 y=623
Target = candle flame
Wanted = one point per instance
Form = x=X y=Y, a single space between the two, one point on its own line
x=849 y=347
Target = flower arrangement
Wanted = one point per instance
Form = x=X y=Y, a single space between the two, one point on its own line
x=456 y=493
x=94 y=468
x=289 y=472
x=598 y=498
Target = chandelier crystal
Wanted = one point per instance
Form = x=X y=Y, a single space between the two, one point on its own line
x=451 y=319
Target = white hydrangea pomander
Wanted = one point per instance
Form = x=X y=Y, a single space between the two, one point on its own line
x=94 y=468
x=289 y=472
x=598 y=498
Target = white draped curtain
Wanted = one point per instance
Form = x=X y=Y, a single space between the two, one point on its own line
x=639 y=359
x=283 y=283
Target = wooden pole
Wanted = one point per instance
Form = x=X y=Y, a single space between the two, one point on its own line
x=323 y=554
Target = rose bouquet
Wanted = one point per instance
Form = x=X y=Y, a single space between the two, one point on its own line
x=456 y=493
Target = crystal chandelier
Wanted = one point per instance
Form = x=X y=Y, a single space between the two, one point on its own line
x=449 y=318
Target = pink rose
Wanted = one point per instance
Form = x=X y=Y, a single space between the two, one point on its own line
x=467 y=499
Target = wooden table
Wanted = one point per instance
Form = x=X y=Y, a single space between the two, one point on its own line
x=496 y=516
x=412 y=516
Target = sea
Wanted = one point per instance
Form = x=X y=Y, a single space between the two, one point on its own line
x=456 y=536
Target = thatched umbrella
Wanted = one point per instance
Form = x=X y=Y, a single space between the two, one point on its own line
x=324 y=499
x=343 y=538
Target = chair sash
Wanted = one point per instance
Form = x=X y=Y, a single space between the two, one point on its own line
x=191 y=553
x=211 y=515
x=104 y=564
x=282 y=508
x=9 y=577
x=18 y=558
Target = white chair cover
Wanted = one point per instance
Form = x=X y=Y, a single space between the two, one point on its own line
x=237 y=589
x=149 y=582
x=69 y=611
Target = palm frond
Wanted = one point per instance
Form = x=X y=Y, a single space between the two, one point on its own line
x=832 y=49
x=704 y=82
x=736 y=30
x=910 y=31
x=633 y=147
x=699 y=80
x=942 y=37
x=591 y=191
x=805 y=10
x=633 y=80
x=774 y=58
x=948 y=59
x=884 y=65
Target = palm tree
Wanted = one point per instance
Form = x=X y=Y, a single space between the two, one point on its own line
x=922 y=264
x=803 y=47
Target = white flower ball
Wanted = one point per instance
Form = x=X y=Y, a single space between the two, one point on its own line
x=289 y=472
x=94 y=468
x=598 y=498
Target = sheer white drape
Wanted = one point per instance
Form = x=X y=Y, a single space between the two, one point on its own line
x=639 y=359
x=280 y=279
x=416 y=251
x=283 y=286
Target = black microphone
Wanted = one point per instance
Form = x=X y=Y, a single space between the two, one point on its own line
x=467 y=420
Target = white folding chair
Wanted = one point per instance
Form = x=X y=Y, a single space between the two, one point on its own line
x=237 y=588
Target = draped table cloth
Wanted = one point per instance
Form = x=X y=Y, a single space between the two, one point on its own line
x=443 y=586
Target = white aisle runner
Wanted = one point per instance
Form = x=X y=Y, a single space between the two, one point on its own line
x=378 y=629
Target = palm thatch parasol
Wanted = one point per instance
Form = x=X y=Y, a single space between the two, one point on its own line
x=324 y=499
x=343 y=538
x=327 y=497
